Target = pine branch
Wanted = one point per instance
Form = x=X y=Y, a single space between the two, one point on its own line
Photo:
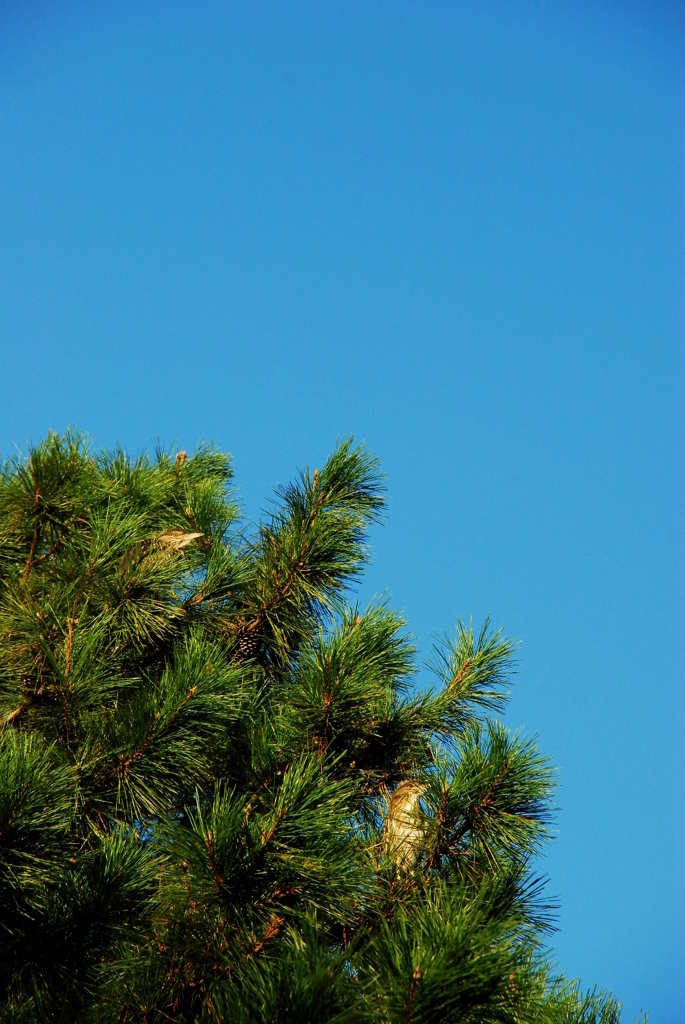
x=219 y=797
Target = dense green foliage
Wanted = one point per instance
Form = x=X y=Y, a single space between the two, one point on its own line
x=220 y=797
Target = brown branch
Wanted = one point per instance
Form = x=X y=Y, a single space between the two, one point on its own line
x=268 y=836
x=319 y=501
x=456 y=679
x=32 y=553
x=212 y=1007
x=283 y=589
x=481 y=805
x=15 y=808
x=64 y=694
x=247 y=643
x=126 y=762
x=245 y=632
x=271 y=930
x=209 y=843
x=70 y=639
x=413 y=989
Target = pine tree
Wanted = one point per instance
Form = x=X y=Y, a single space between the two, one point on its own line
x=222 y=797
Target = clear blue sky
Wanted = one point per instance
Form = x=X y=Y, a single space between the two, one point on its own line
x=455 y=230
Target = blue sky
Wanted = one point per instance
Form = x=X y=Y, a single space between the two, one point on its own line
x=454 y=230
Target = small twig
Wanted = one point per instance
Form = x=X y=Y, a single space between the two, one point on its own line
x=209 y=843
x=413 y=988
x=70 y=639
x=32 y=554
x=268 y=836
x=271 y=929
